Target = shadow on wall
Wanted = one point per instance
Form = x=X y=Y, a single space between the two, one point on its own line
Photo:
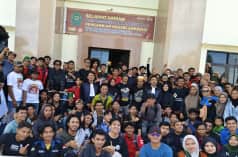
x=185 y=60
x=20 y=45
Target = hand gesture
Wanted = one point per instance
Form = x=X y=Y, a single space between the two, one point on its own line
x=23 y=150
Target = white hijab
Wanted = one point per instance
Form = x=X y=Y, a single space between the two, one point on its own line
x=196 y=153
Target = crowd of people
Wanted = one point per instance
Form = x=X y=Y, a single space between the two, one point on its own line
x=100 y=110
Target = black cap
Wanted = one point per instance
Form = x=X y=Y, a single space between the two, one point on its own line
x=18 y=63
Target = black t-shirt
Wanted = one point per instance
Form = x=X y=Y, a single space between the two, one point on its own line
x=119 y=143
x=11 y=146
x=82 y=73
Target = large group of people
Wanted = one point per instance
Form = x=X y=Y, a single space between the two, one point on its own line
x=103 y=110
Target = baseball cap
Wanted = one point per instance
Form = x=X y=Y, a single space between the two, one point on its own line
x=26 y=58
x=18 y=63
x=154 y=129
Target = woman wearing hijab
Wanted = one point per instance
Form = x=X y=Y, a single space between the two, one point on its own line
x=191 y=147
x=210 y=148
x=231 y=108
x=231 y=149
x=166 y=98
x=221 y=104
x=193 y=98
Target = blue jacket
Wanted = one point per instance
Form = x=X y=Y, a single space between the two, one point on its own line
x=230 y=110
x=225 y=134
x=39 y=149
x=163 y=151
x=85 y=91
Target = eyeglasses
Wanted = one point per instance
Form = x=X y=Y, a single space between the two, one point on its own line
x=155 y=134
x=205 y=91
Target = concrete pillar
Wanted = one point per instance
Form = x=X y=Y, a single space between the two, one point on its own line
x=179 y=33
x=35 y=27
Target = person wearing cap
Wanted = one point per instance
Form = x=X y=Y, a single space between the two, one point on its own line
x=155 y=147
x=14 y=83
x=7 y=58
x=31 y=90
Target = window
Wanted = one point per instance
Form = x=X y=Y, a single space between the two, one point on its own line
x=224 y=63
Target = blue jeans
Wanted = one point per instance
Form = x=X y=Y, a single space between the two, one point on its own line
x=11 y=110
x=10 y=106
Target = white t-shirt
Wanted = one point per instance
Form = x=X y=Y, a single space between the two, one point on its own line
x=32 y=87
x=15 y=80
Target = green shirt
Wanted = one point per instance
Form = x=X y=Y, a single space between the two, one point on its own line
x=107 y=101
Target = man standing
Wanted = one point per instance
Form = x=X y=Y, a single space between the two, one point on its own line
x=56 y=77
x=7 y=57
x=14 y=83
x=155 y=147
x=31 y=89
x=89 y=89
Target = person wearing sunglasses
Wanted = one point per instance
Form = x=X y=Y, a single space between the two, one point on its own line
x=155 y=147
x=207 y=104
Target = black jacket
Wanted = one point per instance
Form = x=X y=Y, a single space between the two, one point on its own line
x=56 y=80
x=89 y=151
x=39 y=149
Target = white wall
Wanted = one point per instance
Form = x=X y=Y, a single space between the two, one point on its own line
x=7 y=12
x=221 y=22
x=8 y=19
x=69 y=47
